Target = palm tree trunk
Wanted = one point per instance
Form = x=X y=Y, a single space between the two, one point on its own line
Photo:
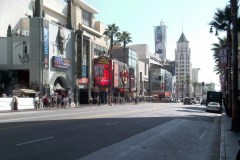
x=229 y=75
x=109 y=87
x=234 y=13
x=124 y=61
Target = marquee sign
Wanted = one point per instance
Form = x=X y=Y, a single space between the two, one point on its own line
x=60 y=62
x=102 y=71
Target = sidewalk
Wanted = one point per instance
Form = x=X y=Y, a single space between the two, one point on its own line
x=79 y=106
x=229 y=140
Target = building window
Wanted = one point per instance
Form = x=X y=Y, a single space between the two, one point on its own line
x=85 y=52
x=86 y=17
x=132 y=58
x=99 y=50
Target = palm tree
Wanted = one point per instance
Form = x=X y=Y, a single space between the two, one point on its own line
x=110 y=32
x=124 y=38
x=222 y=22
x=216 y=46
x=194 y=88
x=235 y=111
x=222 y=19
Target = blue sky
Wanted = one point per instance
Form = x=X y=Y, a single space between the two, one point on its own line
x=190 y=16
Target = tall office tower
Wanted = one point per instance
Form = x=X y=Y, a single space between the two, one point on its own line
x=160 y=39
x=183 y=67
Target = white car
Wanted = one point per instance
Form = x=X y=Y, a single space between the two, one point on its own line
x=214 y=106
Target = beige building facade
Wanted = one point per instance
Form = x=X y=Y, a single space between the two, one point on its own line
x=42 y=53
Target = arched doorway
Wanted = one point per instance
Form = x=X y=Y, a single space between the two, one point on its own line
x=60 y=86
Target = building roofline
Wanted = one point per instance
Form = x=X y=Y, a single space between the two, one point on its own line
x=84 y=5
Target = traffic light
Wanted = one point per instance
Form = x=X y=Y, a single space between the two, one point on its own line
x=202 y=83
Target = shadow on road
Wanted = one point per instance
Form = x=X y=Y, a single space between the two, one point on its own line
x=74 y=137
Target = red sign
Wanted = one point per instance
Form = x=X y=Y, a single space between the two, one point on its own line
x=167 y=94
x=83 y=81
x=102 y=71
x=125 y=76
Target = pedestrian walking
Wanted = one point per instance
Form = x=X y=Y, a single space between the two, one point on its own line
x=58 y=100
x=40 y=102
x=45 y=102
x=65 y=101
x=90 y=99
x=69 y=101
x=37 y=103
x=98 y=100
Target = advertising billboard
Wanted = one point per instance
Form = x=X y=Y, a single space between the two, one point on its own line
x=102 y=72
x=60 y=62
x=159 y=40
x=223 y=57
x=46 y=47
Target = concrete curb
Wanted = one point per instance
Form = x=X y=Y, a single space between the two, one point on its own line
x=222 y=140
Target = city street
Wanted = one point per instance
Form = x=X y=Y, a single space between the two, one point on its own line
x=151 y=131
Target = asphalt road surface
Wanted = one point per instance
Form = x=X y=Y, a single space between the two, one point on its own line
x=146 y=131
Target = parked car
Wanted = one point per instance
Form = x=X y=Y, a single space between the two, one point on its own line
x=193 y=101
x=203 y=102
x=187 y=100
x=214 y=106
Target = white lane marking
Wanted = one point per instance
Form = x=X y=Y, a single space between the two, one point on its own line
x=111 y=123
x=33 y=141
x=204 y=133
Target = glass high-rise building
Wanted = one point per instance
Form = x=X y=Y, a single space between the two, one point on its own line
x=160 y=39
